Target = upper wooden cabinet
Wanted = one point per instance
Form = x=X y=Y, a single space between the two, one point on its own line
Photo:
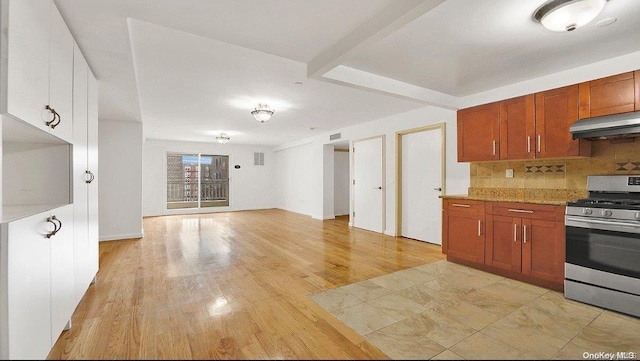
x=556 y=110
x=479 y=133
x=517 y=128
x=531 y=126
x=537 y=125
x=611 y=95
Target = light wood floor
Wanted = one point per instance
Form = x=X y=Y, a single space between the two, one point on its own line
x=231 y=285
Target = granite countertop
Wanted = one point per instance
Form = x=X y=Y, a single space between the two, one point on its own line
x=558 y=197
x=491 y=199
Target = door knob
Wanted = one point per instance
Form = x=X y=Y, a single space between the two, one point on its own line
x=438 y=189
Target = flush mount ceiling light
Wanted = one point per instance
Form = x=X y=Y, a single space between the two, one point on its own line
x=262 y=113
x=567 y=15
x=222 y=138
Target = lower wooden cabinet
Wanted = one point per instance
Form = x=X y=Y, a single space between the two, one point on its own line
x=521 y=241
x=503 y=247
x=463 y=229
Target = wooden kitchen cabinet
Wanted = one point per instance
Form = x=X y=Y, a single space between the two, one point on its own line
x=526 y=127
x=463 y=230
x=528 y=240
x=556 y=110
x=543 y=255
x=479 y=133
x=503 y=244
x=517 y=128
x=611 y=95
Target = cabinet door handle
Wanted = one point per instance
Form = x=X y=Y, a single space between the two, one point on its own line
x=528 y=144
x=460 y=205
x=520 y=210
x=59 y=221
x=479 y=227
x=55 y=226
x=524 y=232
x=52 y=123
x=91 y=176
x=494 y=147
x=539 y=143
x=515 y=232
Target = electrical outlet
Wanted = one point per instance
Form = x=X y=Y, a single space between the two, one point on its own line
x=509 y=173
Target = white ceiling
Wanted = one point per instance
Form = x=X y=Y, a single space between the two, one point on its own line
x=189 y=69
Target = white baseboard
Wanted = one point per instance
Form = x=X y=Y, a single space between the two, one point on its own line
x=120 y=237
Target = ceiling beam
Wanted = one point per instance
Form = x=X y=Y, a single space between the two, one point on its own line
x=355 y=78
x=393 y=17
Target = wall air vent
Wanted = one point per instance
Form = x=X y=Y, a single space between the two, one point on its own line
x=335 y=136
x=258 y=158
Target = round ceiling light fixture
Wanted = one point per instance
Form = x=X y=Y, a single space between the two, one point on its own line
x=262 y=113
x=223 y=138
x=567 y=15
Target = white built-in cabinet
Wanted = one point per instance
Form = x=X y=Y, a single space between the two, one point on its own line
x=48 y=219
x=92 y=169
x=39 y=66
x=85 y=169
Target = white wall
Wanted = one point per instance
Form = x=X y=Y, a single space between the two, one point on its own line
x=600 y=69
x=457 y=174
x=294 y=181
x=250 y=187
x=120 y=187
x=341 y=183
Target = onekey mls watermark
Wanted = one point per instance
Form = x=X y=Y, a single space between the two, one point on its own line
x=610 y=355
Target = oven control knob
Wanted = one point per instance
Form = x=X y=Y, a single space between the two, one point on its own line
x=606 y=212
x=587 y=211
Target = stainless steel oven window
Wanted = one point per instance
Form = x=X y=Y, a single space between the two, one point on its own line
x=605 y=250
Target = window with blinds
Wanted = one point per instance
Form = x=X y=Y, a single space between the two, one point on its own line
x=197 y=180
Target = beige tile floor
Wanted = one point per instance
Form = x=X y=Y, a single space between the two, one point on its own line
x=443 y=310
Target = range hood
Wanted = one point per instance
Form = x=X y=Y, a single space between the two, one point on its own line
x=614 y=126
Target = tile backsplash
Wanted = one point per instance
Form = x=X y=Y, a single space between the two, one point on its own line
x=570 y=173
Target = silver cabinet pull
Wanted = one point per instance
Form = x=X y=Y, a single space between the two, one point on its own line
x=439 y=189
x=520 y=210
x=528 y=144
x=524 y=231
x=515 y=232
x=479 y=227
x=538 y=143
x=494 y=147
x=460 y=205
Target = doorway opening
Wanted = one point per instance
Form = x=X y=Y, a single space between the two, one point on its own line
x=341 y=173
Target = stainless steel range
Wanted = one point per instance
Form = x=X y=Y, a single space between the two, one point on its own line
x=603 y=245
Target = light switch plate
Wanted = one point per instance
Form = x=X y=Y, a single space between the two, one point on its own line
x=509 y=173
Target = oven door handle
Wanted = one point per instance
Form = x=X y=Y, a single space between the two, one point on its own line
x=572 y=221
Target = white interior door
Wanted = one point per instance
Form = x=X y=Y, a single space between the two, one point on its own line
x=421 y=184
x=368 y=191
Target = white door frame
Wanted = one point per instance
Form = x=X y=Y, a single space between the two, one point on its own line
x=443 y=162
x=384 y=179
